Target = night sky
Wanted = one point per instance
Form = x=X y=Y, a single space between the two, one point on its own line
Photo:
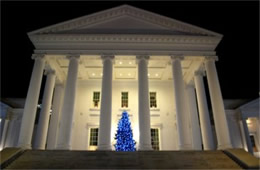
x=238 y=65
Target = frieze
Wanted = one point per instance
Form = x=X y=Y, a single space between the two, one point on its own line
x=125 y=38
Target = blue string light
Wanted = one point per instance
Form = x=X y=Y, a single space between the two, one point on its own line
x=124 y=135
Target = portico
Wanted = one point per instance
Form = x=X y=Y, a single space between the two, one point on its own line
x=109 y=50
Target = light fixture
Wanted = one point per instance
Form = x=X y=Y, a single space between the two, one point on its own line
x=156 y=74
x=130 y=62
x=120 y=74
x=120 y=62
x=129 y=74
x=93 y=74
x=148 y=74
x=101 y=74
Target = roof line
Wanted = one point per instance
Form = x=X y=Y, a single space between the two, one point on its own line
x=73 y=20
x=134 y=8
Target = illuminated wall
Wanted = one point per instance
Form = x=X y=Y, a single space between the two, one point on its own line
x=162 y=117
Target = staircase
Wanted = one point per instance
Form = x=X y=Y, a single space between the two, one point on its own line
x=58 y=159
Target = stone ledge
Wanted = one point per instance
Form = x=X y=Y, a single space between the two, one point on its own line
x=8 y=155
x=243 y=158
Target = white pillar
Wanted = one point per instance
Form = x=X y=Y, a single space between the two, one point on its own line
x=205 y=125
x=179 y=101
x=222 y=130
x=143 y=104
x=4 y=132
x=247 y=136
x=3 y=117
x=42 y=128
x=104 y=136
x=11 y=138
x=55 y=116
x=26 y=130
x=194 y=119
x=67 y=114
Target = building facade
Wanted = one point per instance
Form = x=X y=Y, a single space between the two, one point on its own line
x=124 y=59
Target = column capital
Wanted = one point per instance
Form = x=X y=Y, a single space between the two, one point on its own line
x=38 y=56
x=73 y=56
x=177 y=57
x=60 y=85
x=191 y=84
x=107 y=57
x=49 y=71
x=199 y=73
x=140 y=57
x=210 y=58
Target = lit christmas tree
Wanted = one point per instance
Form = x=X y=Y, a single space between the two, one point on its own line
x=124 y=135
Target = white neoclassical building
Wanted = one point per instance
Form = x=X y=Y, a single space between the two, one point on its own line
x=124 y=59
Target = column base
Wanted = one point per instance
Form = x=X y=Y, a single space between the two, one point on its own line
x=63 y=147
x=24 y=146
x=39 y=148
x=225 y=146
x=209 y=148
x=185 y=147
x=104 y=148
x=145 y=147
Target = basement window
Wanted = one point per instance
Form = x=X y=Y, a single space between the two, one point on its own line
x=155 y=139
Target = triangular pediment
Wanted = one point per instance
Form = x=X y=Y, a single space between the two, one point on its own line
x=124 y=19
x=123 y=25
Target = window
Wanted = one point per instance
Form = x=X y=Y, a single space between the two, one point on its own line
x=124 y=99
x=93 y=137
x=96 y=99
x=153 y=102
x=155 y=139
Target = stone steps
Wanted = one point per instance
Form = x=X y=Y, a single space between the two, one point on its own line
x=58 y=159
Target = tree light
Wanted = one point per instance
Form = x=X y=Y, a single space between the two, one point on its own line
x=124 y=135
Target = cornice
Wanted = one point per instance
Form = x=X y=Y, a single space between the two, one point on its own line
x=124 y=38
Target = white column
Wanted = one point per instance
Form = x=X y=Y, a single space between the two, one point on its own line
x=42 y=128
x=222 y=130
x=67 y=114
x=3 y=117
x=26 y=130
x=104 y=136
x=4 y=132
x=55 y=116
x=179 y=101
x=194 y=119
x=205 y=125
x=143 y=104
x=247 y=136
x=11 y=138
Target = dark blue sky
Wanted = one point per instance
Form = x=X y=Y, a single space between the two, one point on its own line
x=238 y=65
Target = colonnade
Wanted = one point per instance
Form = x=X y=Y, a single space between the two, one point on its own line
x=62 y=113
